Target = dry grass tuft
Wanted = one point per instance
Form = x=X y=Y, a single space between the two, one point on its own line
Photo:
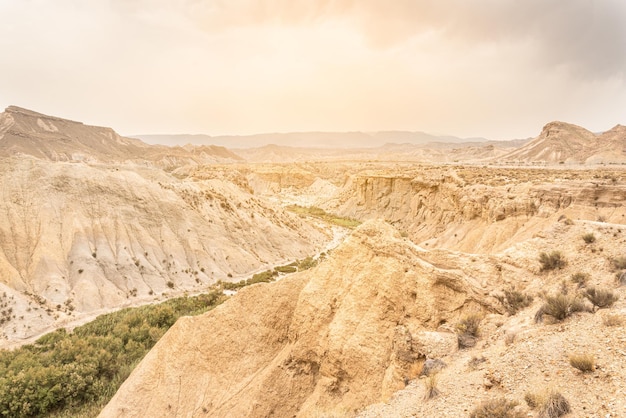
x=612 y=320
x=619 y=263
x=583 y=362
x=580 y=279
x=514 y=300
x=600 y=298
x=552 y=261
x=497 y=408
x=430 y=384
x=559 y=307
x=468 y=330
x=554 y=406
x=589 y=238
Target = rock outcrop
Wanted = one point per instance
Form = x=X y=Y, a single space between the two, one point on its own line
x=565 y=143
x=335 y=338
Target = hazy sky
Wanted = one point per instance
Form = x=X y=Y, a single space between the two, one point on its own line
x=494 y=68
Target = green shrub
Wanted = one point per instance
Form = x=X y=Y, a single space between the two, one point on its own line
x=497 y=408
x=551 y=261
x=69 y=373
x=589 y=238
x=514 y=300
x=600 y=298
x=286 y=269
x=559 y=307
x=583 y=362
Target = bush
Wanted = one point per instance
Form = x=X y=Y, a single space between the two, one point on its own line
x=468 y=329
x=600 y=298
x=286 y=269
x=559 y=307
x=583 y=362
x=619 y=263
x=620 y=277
x=514 y=300
x=580 y=279
x=70 y=373
x=170 y=284
x=497 y=408
x=552 y=405
x=430 y=384
x=589 y=238
x=551 y=261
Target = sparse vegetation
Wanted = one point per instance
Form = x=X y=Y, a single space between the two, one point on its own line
x=583 y=362
x=497 y=408
x=468 y=329
x=554 y=406
x=80 y=371
x=432 y=366
x=323 y=215
x=170 y=284
x=612 y=320
x=514 y=300
x=589 y=238
x=580 y=279
x=619 y=263
x=559 y=306
x=600 y=298
x=430 y=384
x=620 y=277
x=552 y=261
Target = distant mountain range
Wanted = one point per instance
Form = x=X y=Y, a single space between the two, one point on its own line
x=26 y=132
x=342 y=140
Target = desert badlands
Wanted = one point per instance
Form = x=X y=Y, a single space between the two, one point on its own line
x=446 y=279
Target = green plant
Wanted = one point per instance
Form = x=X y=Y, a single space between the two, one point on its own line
x=75 y=374
x=559 y=307
x=589 y=238
x=600 y=298
x=552 y=261
x=497 y=408
x=514 y=300
x=583 y=362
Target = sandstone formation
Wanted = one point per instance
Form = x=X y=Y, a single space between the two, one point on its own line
x=561 y=142
x=336 y=338
x=84 y=228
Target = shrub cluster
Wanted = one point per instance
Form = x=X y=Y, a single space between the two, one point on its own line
x=75 y=370
x=600 y=298
x=560 y=306
x=552 y=261
x=514 y=300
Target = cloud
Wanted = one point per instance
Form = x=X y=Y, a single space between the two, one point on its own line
x=587 y=37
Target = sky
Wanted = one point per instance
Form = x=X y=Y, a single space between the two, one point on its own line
x=499 y=69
